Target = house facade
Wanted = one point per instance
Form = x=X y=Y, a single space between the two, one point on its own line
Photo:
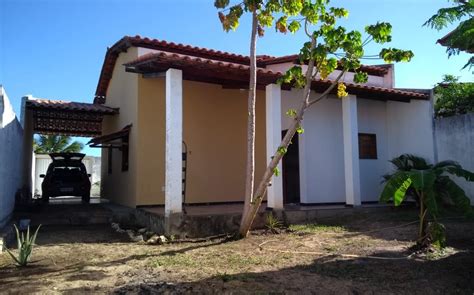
x=180 y=135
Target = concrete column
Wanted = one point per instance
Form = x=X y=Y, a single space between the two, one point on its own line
x=351 y=150
x=273 y=138
x=27 y=152
x=174 y=139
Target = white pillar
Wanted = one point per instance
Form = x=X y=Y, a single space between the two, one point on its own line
x=174 y=139
x=273 y=136
x=351 y=150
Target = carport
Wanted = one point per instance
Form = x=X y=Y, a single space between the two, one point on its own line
x=58 y=117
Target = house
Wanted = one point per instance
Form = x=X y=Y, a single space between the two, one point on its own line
x=181 y=107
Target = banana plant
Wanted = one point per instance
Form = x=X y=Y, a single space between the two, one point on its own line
x=25 y=246
x=433 y=188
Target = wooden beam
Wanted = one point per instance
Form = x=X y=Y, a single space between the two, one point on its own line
x=154 y=75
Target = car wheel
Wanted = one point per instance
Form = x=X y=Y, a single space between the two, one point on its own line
x=86 y=199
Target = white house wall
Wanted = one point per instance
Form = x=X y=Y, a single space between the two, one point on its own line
x=11 y=139
x=372 y=116
x=321 y=150
x=410 y=129
x=399 y=128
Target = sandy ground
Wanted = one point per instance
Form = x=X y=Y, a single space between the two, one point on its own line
x=78 y=260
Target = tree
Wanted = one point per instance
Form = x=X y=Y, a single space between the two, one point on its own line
x=46 y=144
x=453 y=97
x=329 y=47
x=462 y=37
x=432 y=187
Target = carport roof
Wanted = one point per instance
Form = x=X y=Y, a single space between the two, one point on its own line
x=67 y=118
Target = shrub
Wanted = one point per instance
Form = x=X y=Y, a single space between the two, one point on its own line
x=432 y=186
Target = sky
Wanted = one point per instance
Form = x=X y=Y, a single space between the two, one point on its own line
x=54 y=49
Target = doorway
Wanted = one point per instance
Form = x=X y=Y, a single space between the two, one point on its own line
x=291 y=172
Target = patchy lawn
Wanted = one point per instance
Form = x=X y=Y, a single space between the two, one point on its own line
x=96 y=259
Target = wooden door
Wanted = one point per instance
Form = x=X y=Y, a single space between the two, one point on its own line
x=291 y=172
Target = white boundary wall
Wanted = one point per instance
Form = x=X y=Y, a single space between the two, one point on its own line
x=11 y=139
x=42 y=161
x=455 y=141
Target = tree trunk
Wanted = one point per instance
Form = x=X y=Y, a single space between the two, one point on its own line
x=250 y=171
x=251 y=211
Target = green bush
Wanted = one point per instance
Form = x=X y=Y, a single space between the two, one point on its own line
x=432 y=187
x=453 y=97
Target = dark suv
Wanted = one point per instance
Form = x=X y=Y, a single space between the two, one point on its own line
x=66 y=176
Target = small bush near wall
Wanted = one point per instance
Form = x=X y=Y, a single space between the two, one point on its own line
x=453 y=97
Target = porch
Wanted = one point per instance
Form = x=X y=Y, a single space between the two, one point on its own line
x=215 y=219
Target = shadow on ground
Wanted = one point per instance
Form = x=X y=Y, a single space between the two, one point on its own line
x=331 y=275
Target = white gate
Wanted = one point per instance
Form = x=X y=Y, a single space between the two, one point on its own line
x=42 y=161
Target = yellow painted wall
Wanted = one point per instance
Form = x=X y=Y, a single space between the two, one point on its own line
x=214 y=129
x=120 y=186
x=151 y=141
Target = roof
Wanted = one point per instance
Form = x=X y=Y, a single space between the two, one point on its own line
x=67 y=118
x=194 y=51
x=105 y=140
x=63 y=105
x=237 y=75
x=294 y=58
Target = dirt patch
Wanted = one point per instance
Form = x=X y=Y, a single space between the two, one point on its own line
x=98 y=260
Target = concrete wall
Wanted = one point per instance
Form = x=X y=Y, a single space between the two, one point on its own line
x=372 y=118
x=214 y=130
x=455 y=141
x=11 y=138
x=399 y=128
x=410 y=129
x=321 y=151
x=120 y=186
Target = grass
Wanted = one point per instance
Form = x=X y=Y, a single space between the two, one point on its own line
x=181 y=260
x=316 y=228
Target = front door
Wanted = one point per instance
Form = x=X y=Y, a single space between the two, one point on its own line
x=291 y=172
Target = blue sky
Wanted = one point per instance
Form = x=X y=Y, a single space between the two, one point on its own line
x=55 y=48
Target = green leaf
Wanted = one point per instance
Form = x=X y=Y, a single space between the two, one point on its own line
x=221 y=3
x=361 y=77
x=422 y=179
x=291 y=113
x=396 y=55
x=281 y=24
x=395 y=185
x=276 y=171
x=339 y=12
x=294 y=26
x=282 y=150
x=292 y=7
x=458 y=196
x=300 y=130
x=400 y=193
x=380 y=32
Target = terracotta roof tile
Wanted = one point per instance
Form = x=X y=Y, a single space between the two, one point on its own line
x=165 y=60
x=194 y=51
x=69 y=106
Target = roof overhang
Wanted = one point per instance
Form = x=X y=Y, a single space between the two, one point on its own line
x=233 y=75
x=67 y=118
x=198 y=52
x=117 y=139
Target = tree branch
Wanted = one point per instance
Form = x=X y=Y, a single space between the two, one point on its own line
x=327 y=91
